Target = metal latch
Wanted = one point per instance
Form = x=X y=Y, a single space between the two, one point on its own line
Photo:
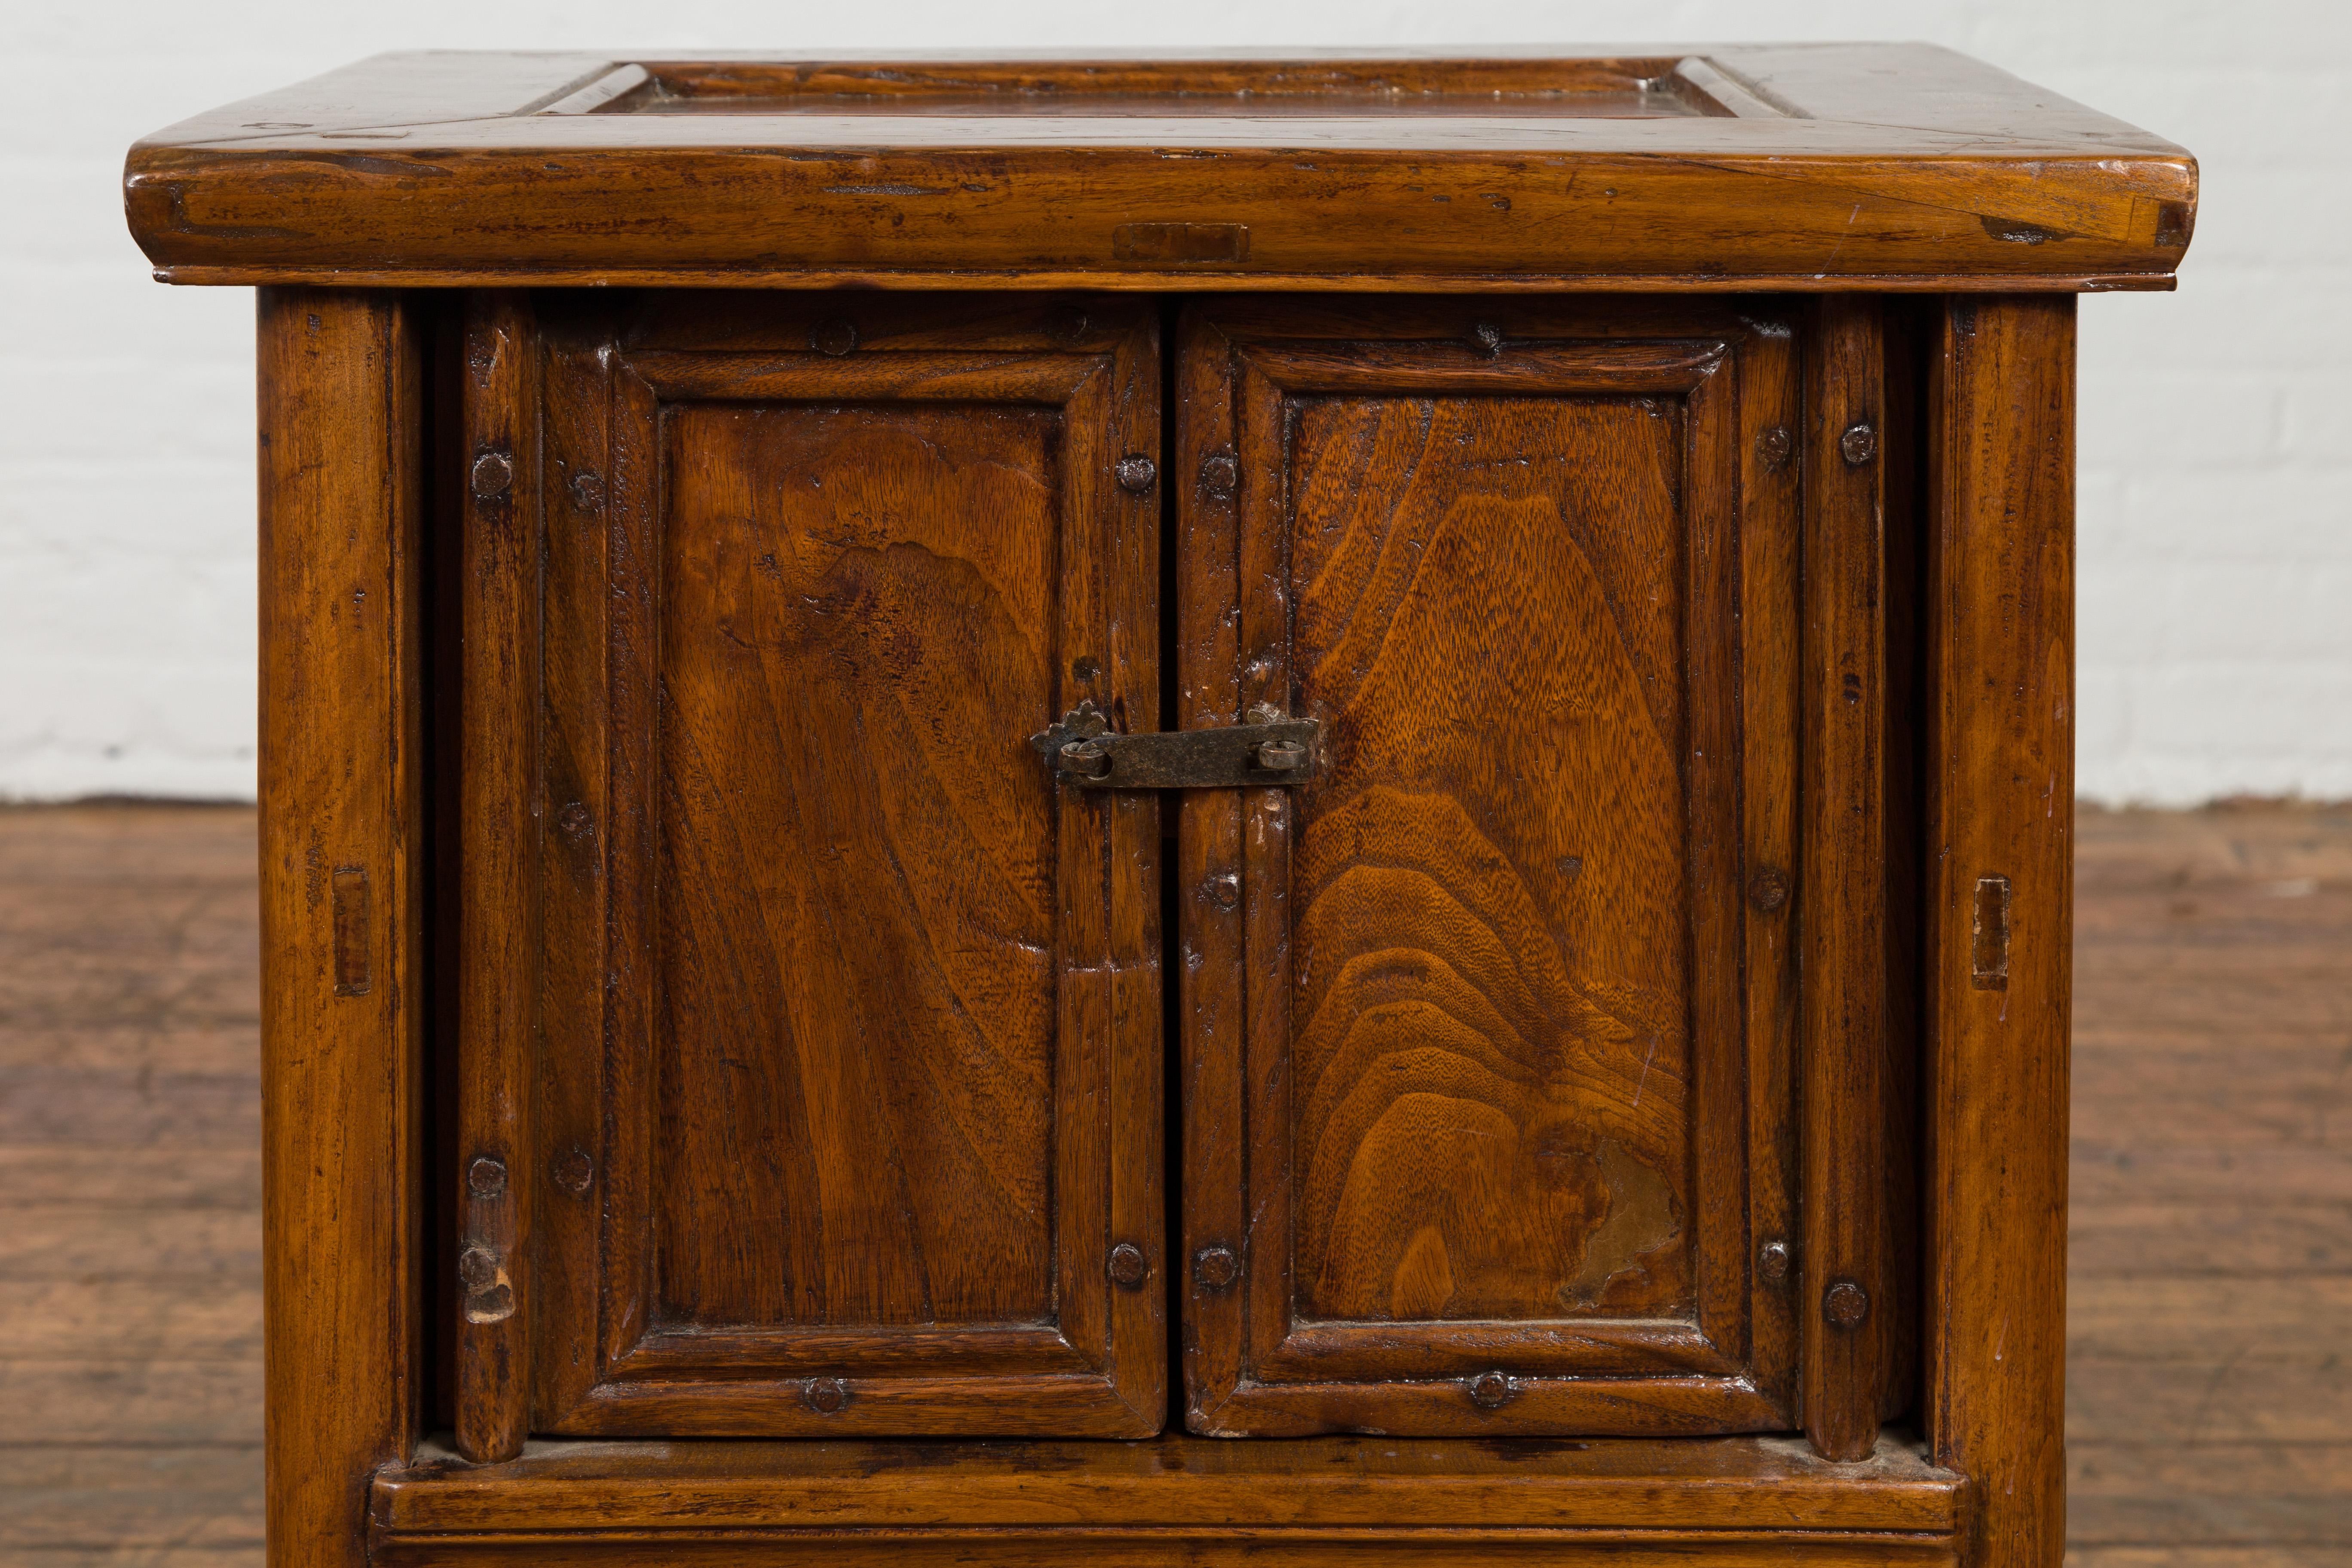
x=1271 y=750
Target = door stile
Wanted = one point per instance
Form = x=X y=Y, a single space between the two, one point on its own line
x=624 y=1269
x=1083 y=978
x=1771 y=499
x=1713 y=833
x=1263 y=609
x=1847 y=1302
x=498 y=872
x=1134 y=1164
x=575 y=804
x=1212 y=938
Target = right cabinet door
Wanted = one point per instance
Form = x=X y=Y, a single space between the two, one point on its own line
x=1489 y=1073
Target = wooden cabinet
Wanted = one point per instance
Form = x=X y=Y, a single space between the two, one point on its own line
x=1261 y=811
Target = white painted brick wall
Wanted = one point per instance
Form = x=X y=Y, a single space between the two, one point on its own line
x=2216 y=647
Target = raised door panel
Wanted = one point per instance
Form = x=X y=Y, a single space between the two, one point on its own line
x=1491 y=1133
x=860 y=1130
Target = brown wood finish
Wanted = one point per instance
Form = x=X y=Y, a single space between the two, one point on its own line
x=1328 y=1500
x=1490 y=1054
x=1705 y=1484
x=2000 y=797
x=1812 y=166
x=497 y=838
x=1844 y=1303
x=574 y=951
x=341 y=379
x=1220 y=1548
x=880 y=1051
x=1771 y=696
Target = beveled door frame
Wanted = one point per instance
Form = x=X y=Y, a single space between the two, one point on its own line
x=1252 y=1367
x=599 y=1364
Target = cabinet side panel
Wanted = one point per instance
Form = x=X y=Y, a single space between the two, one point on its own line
x=341 y=490
x=2000 y=910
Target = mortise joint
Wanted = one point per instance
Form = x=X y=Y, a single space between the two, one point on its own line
x=353 y=915
x=1180 y=242
x=1989 y=942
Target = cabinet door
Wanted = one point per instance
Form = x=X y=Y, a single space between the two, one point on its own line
x=1493 y=1127
x=847 y=1114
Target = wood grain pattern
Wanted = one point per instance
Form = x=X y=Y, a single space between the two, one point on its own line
x=1459 y=1160
x=1220 y=1548
x=1771 y=368
x=498 y=848
x=575 y=955
x=1474 y=1106
x=1838 y=166
x=341 y=477
x=882 y=1094
x=1846 y=1302
x=895 y=872
x=1687 y=1485
x=2001 y=803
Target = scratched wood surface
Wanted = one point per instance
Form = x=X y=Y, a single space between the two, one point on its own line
x=2210 y=1373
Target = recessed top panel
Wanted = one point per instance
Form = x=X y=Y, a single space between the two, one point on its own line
x=1572 y=88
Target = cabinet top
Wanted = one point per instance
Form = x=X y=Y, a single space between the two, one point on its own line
x=1871 y=166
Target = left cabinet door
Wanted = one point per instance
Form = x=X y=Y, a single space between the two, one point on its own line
x=844 y=1115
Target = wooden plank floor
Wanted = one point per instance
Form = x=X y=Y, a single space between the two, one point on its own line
x=2210 y=1360
x=2210 y=1291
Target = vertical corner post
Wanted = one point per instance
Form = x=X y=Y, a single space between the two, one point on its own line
x=2001 y=787
x=341 y=497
